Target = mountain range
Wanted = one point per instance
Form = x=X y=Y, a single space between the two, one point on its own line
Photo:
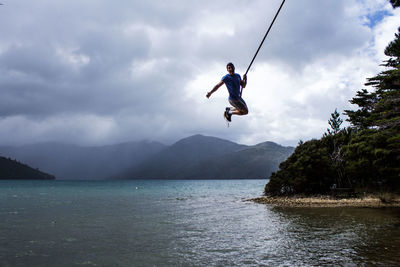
x=194 y=157
x=67 y=161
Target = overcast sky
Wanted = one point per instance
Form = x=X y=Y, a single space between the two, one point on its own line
x=94 y=72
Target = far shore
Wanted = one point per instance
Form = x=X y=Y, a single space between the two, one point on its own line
x=327 y=201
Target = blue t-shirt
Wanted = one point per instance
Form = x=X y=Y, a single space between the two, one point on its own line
x=232 y=83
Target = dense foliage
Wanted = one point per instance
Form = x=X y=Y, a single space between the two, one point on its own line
x=364 y=156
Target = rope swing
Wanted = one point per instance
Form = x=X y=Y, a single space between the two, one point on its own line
x=265 y=36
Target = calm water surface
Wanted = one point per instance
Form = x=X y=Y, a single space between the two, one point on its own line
x=183 y=223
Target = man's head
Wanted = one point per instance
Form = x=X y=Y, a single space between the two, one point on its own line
x=230 y=68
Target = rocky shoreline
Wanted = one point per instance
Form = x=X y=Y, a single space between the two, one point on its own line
x=327 y=201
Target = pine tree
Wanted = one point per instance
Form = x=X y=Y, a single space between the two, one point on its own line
x=366 y=102
x=373 y=155
x=380 y=108
x=335 y=122
x=386 y=111
x=336 y=153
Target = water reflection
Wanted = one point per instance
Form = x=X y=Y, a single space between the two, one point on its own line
x=340 y=236
x=184 y=223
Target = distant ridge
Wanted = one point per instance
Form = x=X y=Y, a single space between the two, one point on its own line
x=204 y=157
x=14 y=170
x=193 y=157
x=68 y=161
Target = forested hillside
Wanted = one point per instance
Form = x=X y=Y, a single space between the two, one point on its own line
x=365 y=156
x=68 y=161
x=13 y=170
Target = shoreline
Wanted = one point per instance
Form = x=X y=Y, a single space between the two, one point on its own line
x=326 y=202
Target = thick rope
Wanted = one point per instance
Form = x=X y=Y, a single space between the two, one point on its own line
x=265 y=36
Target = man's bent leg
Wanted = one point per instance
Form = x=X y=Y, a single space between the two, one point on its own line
x=240 y=107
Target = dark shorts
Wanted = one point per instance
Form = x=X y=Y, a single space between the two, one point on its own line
x=238 y=103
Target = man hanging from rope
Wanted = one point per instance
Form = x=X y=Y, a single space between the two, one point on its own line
x=233 y=81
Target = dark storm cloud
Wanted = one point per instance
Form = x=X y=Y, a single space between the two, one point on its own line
x=305 y=30
x=42 y=77
x=314 y=29
x=35 y=61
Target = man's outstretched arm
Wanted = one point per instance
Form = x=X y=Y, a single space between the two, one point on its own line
x=218 y=85
x=243 y=82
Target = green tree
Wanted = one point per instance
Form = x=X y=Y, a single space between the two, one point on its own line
x=374 y=153
x=335 y=143
x=380 y=108
x=366 y=102
x=386 y=111
x=335 y=122
x=372 y=161
x=365 y=155
x=307 y=171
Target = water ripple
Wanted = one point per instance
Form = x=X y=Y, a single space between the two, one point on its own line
x=183 y=223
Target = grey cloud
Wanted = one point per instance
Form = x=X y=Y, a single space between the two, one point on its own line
x=309 y=30
x=39 y=79
x=305 y=30
x=34 y=61
x=36 y=80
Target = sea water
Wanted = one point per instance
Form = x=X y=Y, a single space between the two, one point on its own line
x=183 y=223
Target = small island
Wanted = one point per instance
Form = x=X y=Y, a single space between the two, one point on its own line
x=354 y=166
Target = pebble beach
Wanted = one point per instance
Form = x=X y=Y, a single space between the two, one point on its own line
x=326 y=201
